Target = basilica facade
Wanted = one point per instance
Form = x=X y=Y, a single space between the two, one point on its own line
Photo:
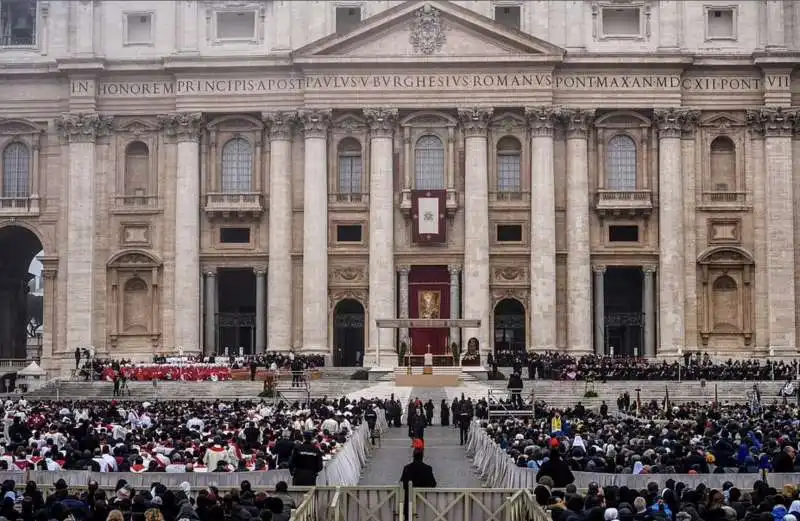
x=247 y=176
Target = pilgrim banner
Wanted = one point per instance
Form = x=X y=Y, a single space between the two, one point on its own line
x=429 y=211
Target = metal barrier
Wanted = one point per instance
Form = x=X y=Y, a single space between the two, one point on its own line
x=366 y=503
x=474 y=504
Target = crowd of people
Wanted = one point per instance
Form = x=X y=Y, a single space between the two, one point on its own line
x=694 y=366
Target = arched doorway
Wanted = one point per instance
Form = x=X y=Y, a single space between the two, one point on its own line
x=509 y=328
x=18 y=247
x=348 y=334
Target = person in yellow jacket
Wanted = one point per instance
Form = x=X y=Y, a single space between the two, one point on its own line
x=555 y=424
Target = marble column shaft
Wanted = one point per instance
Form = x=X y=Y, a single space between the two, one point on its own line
x=80 y=130
x=599 y=311
x=542 y=304
x=579 y=270
x=455 y=302
x=280 y=273
x=211 y=313
x=649 y=307
x=671 y=280
x=404 y=271
x=261 y=301
x=476 y=225
x=382 y=275
x=315 y=232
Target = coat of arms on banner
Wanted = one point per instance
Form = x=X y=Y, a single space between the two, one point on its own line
x=427 y=31
x=428 y=210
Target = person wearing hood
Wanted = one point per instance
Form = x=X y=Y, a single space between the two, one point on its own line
x=556 y=468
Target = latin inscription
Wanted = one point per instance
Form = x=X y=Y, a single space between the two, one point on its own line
x=394 y=82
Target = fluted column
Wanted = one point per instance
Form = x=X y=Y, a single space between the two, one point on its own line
x=649 y=309
x=403 y=312
x=455 y=302
x=211 y=313
x=382 y=275
x=315 y=231
x=671 y=281
x=599 y=310
x=80 y=131
x=542 y=305
x=476 y=224
x=776 y=125
x=279 y=276
x=579 y=270
x=261 y=316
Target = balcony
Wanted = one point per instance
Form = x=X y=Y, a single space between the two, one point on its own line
x=246 y=205
x=22 y=42
x=629 y=203
x=348 y=200
x=451 y=202
x=724 y=197
x=510 y=200
x=19 y=206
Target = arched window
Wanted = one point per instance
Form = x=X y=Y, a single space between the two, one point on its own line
x=237 y=166
x=135 y=306
x=723 y=165
x=137 y=169
x=725 y=296
x=16 y=170
x=621 y=164
x=509 y=152
x=349 y=181
x=429 y=164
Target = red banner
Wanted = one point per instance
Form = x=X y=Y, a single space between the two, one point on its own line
x=429 y=212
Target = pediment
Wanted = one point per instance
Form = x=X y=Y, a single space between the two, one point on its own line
x=723 y=121
x=136 y=126
x=18 y=126
x=431 y=30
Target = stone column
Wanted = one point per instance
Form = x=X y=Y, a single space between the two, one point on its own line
x=476 y=224
x=649 y=309
x=80 y=131
x=403 y=312
x=211 y=313
x=671 y=281
x=382 y=276
x=186 y=128
x=261 y=316
x=579 y=269
x=315 y=231
x=776 y=125
x=455 y=303
x=279 y=276
x=542 y=304
x=599 y=311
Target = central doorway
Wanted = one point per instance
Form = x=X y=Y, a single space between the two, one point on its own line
x=236 y=316
x=624 y=320
x=348 y=334
x=509 y=329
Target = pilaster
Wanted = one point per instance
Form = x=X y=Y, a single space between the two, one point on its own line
x=403 y=271
x=599 y=310
x=455 y=302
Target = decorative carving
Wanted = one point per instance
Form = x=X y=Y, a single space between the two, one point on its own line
x=381 y=121
x=577 y=122
x=723 y=231
x=730 y=255
x=475 y=121
x=541 y=120
x=649 y=268
x=315 y=122
x=509 y=273
x=349 y=124
x=348 y=294
x=349 y=274
x=519 y=294
x=454 y=269
x=280 y=124
x=772 y=122
x=18 y=126
x=135 y=127
x=599 y=269
x=83 y=127
x=135 y=234
x=134 y=258
x=672 y=122
x=427 y=31
x=403 y=269
x=185 y=126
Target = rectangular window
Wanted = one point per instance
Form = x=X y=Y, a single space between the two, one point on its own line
x=623 y=233
x=138 y=29
x=347 y=18
x=509 y=233
x=234 y=235
x=236 y=25
x=508 y=15
x=720 y=23
x=348 y=233
x=621 y=22
x=17 y=23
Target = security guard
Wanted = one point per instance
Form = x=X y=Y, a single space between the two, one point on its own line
x=306 y=462
x=464 y=419
x=371 y=418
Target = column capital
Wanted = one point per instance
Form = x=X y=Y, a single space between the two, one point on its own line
x=315 y=122
x=49 y=273
x=280 y=124
x=773 y=122
x=454 y=269
x=599 y=269
x=541 y=120
x=211 y=274
x=260 y=271
x=672 y=122
x=185 y=126
x=83 y=127
x=577 y=122
x=403 y=269
x=475 y=121
x=381 y=121
x=649 y=268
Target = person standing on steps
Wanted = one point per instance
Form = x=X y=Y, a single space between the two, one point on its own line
x=418 y=474
x=464 y=419
x=444 y=414
x=429 y=412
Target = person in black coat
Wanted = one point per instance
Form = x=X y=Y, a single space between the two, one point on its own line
x=557 y=469
x=418 y=474
x=429 y=412
x=515 y=386
x=444 y=414
x=418 y=425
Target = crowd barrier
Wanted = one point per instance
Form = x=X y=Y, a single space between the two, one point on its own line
x=343 y=469
x=498 y=469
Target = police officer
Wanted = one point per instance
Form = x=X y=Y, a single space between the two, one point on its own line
x=371 y=417
x=464 y=419
x=306 y=462
x=284 y=448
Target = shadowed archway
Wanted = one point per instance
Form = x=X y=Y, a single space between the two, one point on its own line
x=348 y=333
x=18 y=247
x=509 y=329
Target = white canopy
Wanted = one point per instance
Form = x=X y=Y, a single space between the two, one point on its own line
x=32 y=370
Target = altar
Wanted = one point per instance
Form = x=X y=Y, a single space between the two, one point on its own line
x=436 y=360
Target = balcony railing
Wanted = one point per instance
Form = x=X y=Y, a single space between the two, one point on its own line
x=724 y=197
x=509 y=197
x=19 y=206
x=230 y=204
x=348 y=198
x=624 y=201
